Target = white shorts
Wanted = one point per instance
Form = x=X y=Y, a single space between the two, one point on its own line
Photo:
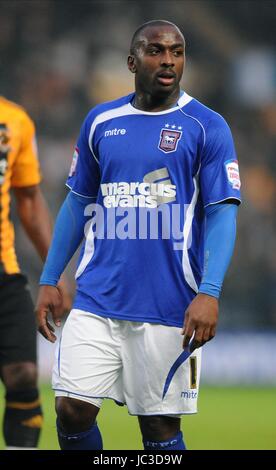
x=132 y=363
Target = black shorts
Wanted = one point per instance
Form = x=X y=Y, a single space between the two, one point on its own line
x=17 y=320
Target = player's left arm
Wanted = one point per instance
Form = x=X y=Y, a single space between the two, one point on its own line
x=219 y=185
x=202 y=314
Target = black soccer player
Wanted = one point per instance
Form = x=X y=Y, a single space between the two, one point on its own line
x=157 y=151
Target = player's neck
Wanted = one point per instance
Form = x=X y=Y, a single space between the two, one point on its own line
x=147 y=102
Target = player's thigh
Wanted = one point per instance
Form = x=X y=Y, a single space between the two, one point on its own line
x=17 y=322
x=158 y=379
x=88 y=359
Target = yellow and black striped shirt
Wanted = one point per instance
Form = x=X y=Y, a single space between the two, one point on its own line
x=19 y=167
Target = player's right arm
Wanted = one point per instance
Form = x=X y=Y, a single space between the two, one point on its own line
x=69 y=229
x=68 y=234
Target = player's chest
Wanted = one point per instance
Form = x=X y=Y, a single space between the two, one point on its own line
x=146 y=143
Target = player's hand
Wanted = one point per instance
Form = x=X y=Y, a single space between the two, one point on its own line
x=49 y=302
x=64 y=289
x=201 y=320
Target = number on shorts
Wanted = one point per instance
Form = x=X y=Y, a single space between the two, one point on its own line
x=193 y=371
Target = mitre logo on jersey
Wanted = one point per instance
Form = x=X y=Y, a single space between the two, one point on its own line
x=74 y=162
x=233 y=175
x=155 y=189
x=169 y=139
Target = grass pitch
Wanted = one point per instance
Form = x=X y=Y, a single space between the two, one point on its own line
x=228 y=418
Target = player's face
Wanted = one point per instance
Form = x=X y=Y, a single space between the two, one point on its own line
x=159 y=60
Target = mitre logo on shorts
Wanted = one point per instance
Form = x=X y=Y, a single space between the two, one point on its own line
x=150 y=193
x=74 y=162
x=233 y=175
x=189 y=394
x=169 y=140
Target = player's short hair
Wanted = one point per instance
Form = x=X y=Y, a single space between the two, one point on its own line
x=136 y=36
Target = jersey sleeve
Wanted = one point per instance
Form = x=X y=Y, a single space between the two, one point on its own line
x=219 y=172
x=84 y=175
x=26 y=170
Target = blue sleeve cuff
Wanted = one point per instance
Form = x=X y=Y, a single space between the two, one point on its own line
x=210 y=289
x=48 y=282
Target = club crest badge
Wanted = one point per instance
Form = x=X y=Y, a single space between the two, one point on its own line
x=169 y=140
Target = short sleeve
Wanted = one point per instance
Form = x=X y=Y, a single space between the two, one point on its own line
x=84 y=175
x=25 y=170
x=219 y=172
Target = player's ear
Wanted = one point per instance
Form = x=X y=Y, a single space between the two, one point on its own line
x=131 y=63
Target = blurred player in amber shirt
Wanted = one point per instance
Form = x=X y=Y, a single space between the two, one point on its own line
x=19 y=171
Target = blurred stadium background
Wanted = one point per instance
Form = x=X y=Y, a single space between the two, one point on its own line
x=59 y=58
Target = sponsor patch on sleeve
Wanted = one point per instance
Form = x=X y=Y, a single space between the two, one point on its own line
x=74 y=162
x=233 y=175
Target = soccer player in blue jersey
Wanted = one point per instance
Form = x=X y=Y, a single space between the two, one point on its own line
x=142 y=163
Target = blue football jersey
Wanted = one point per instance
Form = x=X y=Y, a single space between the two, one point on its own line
x=147 y=177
